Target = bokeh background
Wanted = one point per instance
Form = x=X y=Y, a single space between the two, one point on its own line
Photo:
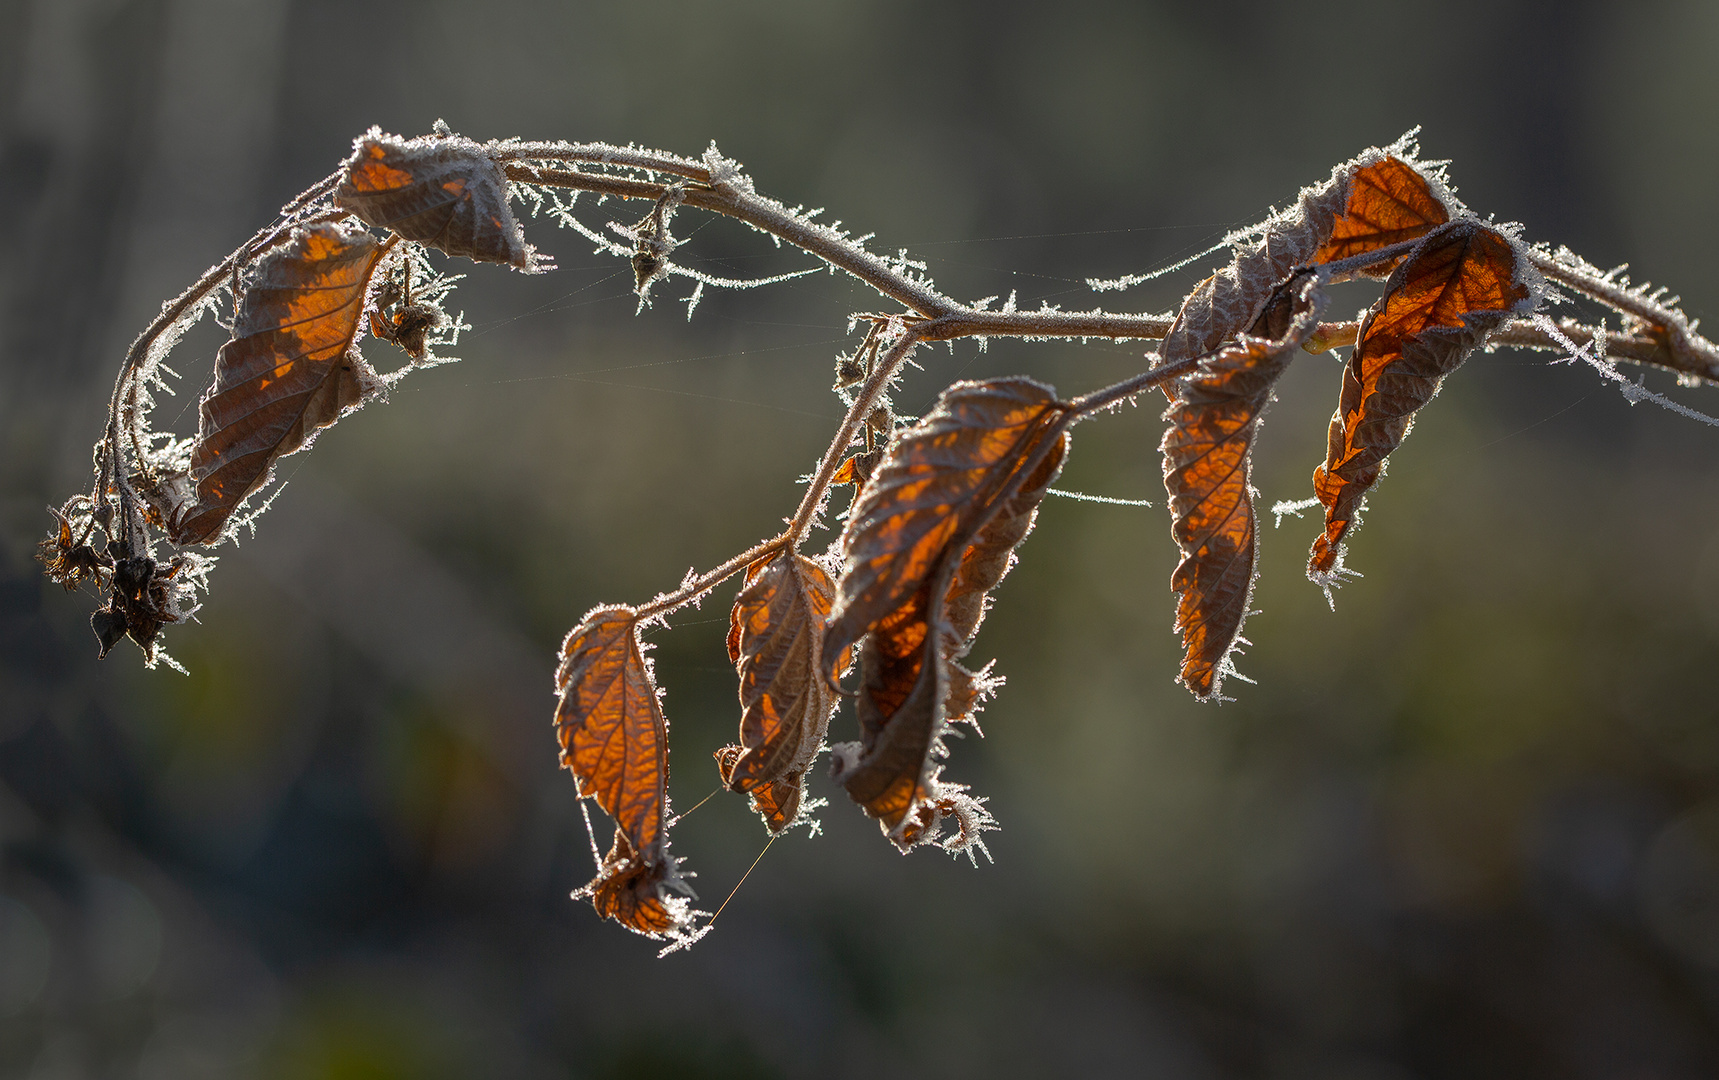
x=1465 y=826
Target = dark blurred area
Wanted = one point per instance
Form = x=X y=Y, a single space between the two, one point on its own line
x=1465 y=826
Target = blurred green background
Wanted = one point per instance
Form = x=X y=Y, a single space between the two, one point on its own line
x=1466 y=826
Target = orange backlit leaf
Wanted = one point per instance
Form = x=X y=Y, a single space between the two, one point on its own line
x=895 y=771
x=290 y=369
x=1461 y=283
x=775 y=641
x=613 y=734
x=777 y=801
x=646 y=895
x=939 y=479
x=1207 y=465
x=614 y=739
x=890 y=770
x=443 y=191
x=943 y=482
x=1390 y=201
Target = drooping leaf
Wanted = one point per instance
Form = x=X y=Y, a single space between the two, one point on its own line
x=895 y=771
x=938 y=479
x=443 y=191
x=775 y=641
x=1390 y=200
x=902 y=687
x=1207 y=473
x=942 y=482
x=952 y=804
x=614 y=739
x=1461 y=283
x=613 y=734
x=778 y=802
x=290 y=369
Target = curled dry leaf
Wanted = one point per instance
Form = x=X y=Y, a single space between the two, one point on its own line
x=644 y=895
x=1461 y=283
x=980 y=454
x=289 y=369
x=443 y=191
x=614 y=738
x=67 y=555
x=1225 y=305
x=1379 y=198
x=1207 y=472
x=1390 y=200
x=775 y=641
x=857 y=470
x=777 y=801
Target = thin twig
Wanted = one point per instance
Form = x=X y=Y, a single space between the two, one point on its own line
x=600 y=154
x=1097 y=401
x=883 y=370
x=1523 y=334
x=949 y=319
x=697 y=587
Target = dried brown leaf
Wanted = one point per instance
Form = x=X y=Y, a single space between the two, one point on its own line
x=645 y=895
x=443 y=191
x=1390 y=200
x=777 y=801
x=991 y=555
x=1207 y=473
x=939 y=479
x=1378 y=198
x=290 y=369
x=614 y=739
x=775 y=641
x=1226 y=304
x=943 y=482
x=1461 y=283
